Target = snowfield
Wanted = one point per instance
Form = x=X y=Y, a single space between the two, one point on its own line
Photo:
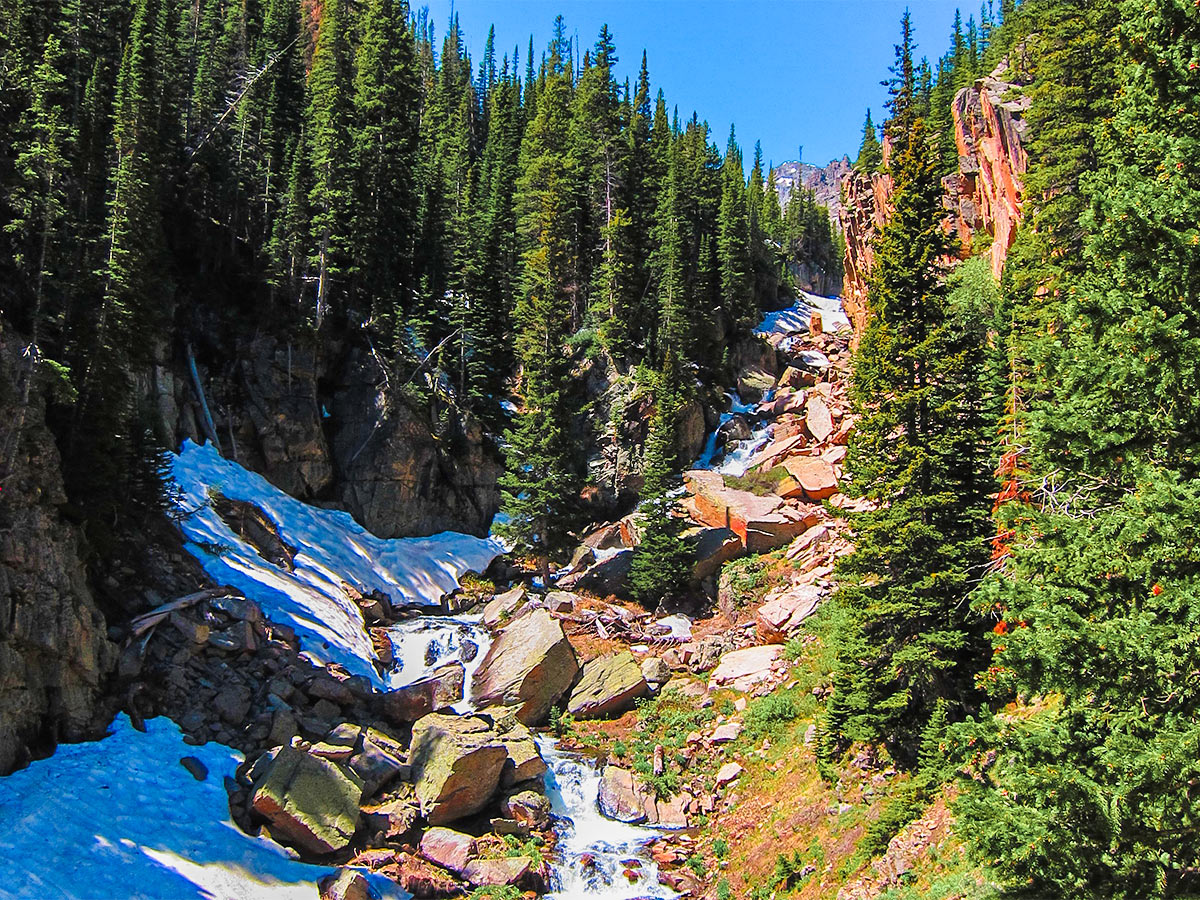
x=794 y=319
x=332 y=550
x=122 y=818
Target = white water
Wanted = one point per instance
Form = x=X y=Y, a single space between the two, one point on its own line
x=593 y=852
x=422 y=645
x=735 y=457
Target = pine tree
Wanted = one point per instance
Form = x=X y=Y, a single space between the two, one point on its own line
x=662 y=560
x=327 y=129
x=385 y=146
x=733 y=242
x=1095 y=605
x=908 y=640
x=539 y=486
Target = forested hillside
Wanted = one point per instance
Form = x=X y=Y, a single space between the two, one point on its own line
x=179 y=179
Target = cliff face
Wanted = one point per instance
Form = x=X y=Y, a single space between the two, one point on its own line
x=322 y=425
x=982 y=199
x=54 y=651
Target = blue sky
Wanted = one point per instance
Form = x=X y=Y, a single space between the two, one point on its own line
x=790 y=73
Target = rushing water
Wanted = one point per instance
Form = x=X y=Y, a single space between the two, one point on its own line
x=597 y=857
x=735 y=457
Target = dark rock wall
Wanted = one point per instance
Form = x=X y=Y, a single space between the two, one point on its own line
x=55 y=655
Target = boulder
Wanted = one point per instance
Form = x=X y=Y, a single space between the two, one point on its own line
x=817 y=418
x=508 y=870
x=815 y=476
x=777 y=451
x=607 y=686
x=729 y=772
x=346 y=884
x=655 y=670
x=753 y=382
x=761 y=523
x=712 y=548
x=723 y=734
x=456 y=765
x=782 y=614
x=624 y=797
x=439 y=690
x=395 y=820
x=743 y=669
x=619 y=796
x=530 y=665
x=501 y=607
x=379 y=760
x=735 y=428
x=609 y=576
x=310 y=802
x=449 y=849
x=524 y=761
x=560 y=601
x=528 y=808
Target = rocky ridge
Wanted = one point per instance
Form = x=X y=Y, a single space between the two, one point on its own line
x=982 y=199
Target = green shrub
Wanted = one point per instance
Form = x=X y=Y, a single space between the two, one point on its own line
x=772 y=713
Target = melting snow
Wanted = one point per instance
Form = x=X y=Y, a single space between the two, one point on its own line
x=332 y=549
x=794 y=319
x=120 y=817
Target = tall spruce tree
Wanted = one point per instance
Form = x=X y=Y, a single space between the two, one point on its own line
x=328 y=136
x=540 y=484
x=909 y=641
x=662 y=560
x=385 y=145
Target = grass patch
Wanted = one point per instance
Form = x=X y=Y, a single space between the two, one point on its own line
x=759 y=482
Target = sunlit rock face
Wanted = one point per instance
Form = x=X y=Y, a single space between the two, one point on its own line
x=982 y=199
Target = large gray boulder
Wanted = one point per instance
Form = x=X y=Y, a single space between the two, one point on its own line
x=456 y=765
x=529 y=666
x=608 y=686
x=309 y=801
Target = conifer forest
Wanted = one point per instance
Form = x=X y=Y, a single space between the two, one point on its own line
x=435 y=473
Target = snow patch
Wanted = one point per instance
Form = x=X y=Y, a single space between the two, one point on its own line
x=332 y=549
x=120 y=817
x=795 y=319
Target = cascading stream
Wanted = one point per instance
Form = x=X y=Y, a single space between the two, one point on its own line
x=596 y=856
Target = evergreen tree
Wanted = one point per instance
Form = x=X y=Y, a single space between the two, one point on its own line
x=1095 y=601
x=733 y=242
x=908 y=640
x=662 y=560
x=870 y=153
x=328 y=137
x=385 y=145
x=539 y=486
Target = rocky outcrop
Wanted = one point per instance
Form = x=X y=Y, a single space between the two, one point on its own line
x=309 y=801
x=456 y=765
x=529 y=666
x=54 y=651
x=397 y=474
x=990 y=130
x=607 y=686
x=981 y=199
x=864 y=212
x=625 y=797
x=824 y=181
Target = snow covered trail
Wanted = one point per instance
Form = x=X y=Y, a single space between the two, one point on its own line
x=122 y=818
x=332 y=549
